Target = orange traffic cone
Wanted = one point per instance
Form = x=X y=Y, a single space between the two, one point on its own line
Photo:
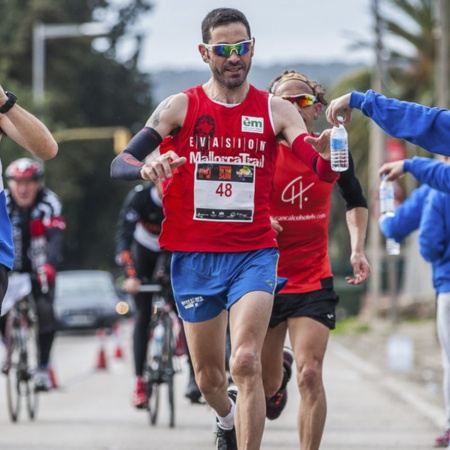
x=101 y=358
x=51 y=373
x=118 y=351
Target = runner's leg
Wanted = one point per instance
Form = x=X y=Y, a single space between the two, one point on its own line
x=309 y=340
x=249 y=319
x=206 y=341
x=272 y=359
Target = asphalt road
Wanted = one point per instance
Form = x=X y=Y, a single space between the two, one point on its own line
x=368 y=408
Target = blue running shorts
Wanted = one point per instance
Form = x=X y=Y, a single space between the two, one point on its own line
x=206 y=283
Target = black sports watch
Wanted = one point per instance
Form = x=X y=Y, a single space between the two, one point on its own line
x=12 y=99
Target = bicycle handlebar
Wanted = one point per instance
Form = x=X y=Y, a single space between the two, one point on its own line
x=150 y=288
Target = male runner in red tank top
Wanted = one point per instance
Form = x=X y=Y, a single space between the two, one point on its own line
x=306 y=306
x=218 y=181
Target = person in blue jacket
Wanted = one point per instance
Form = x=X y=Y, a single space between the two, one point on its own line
x=421 y=125
x=434 y=244
x=434 y=174
x=428 y=209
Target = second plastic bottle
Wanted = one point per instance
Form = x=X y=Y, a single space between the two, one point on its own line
x=387 y=207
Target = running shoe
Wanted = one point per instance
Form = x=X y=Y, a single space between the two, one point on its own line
x=139 y=397
x=226 y=439
x=276 y=403
x=42 y=381
x=442 y=441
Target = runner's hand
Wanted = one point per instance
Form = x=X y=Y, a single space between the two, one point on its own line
x=276 y=225
x=361 y=269
x=321 y=143
x=160 y=168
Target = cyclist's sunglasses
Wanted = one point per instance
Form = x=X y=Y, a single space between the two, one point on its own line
x=301 y=100
x=225 y=50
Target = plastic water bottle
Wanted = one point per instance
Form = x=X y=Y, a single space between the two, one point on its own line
x=339 y=147
x=387 y=207
x=158 y=334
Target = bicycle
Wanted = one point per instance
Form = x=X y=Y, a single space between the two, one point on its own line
x=21 y=337
x=161 y=365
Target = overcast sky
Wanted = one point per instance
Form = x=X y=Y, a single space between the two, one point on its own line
x=285 y=30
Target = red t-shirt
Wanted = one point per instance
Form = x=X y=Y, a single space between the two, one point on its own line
x=301 y=204
x=218 y=201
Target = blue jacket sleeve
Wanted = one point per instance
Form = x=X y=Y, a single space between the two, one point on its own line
x=432 y=234
x=407 y=216
x=434 y=173
x=426 y=127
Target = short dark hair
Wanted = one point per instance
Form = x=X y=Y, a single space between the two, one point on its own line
x=222 y=16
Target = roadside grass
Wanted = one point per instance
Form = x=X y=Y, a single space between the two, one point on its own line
x=351 y=325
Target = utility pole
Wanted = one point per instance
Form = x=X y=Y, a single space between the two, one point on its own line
x=376 y=152
x=442 y=55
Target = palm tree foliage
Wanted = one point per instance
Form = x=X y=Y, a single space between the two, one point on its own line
x=408 y=75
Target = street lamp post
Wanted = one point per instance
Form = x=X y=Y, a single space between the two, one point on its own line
x=41 y=32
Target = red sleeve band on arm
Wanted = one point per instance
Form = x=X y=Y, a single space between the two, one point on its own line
x=311 y=158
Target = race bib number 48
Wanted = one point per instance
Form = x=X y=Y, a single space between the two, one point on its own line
x=224 y=192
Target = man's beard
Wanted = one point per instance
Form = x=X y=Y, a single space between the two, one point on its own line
x=231 y=82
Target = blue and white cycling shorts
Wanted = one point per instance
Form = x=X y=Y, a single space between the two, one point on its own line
x=206 y=283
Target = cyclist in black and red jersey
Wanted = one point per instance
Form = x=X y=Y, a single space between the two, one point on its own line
x=137 y=251
x=38 y=228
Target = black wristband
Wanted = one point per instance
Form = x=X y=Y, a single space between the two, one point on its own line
x=12 y=99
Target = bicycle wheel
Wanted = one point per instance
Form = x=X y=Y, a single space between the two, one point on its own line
x=13 y=365
x=168 y=368
x=31 y=344
x=153 y=370
x=153 y=402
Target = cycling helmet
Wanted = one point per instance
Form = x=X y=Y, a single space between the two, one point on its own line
x=24 y=168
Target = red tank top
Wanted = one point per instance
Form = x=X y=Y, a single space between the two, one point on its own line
x=301 y=203
x=218 y=201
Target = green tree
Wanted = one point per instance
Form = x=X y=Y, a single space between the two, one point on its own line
x=84 y=87
x=409 y=76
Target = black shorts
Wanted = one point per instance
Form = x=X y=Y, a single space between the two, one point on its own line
x=318 y=305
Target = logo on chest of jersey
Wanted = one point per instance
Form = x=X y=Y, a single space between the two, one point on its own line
x=252 y=124
x=296 y=190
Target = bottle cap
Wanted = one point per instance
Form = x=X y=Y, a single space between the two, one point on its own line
x=340 y=119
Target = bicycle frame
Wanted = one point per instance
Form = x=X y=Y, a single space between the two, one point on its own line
x=21 y=356
x=161 y=365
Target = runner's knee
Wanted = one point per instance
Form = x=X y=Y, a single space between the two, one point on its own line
x=244 y=364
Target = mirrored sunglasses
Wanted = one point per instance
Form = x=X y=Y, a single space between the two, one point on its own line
x=225 y=50
x=302 y=100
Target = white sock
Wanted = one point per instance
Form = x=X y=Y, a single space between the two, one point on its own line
x=227 y=422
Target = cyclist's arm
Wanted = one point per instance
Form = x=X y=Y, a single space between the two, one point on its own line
x=55 y=239
x=126 y=224
x=55 y=227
